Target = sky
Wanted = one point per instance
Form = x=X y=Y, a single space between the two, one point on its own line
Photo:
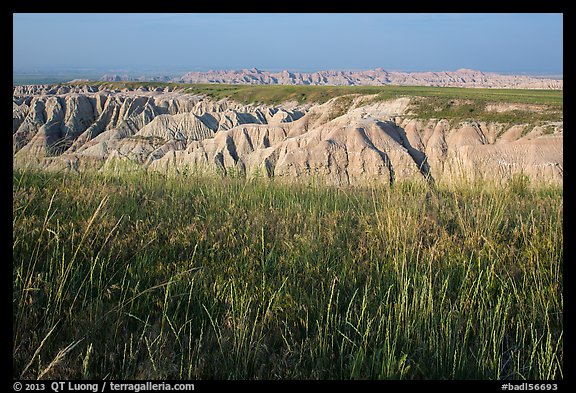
x=506 y=43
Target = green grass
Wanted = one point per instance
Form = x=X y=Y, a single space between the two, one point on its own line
x=476 y=110
x=152 y=276
x=275 y=94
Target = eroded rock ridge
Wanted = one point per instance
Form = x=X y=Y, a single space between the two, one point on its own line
x=347 y=140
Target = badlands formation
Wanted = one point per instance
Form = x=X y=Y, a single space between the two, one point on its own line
x=347 y=140
x=376 y=77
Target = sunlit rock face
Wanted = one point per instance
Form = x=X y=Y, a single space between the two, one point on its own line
x=364 y=142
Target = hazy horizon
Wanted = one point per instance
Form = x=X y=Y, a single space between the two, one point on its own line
x=179 y=71
x=172 y=43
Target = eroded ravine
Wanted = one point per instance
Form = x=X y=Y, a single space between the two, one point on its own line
x=366 y=141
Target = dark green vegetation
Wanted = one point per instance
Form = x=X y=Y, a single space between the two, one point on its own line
x=477 y=110
x=151 y=276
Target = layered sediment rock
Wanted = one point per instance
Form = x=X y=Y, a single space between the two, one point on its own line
x=364 y=142
x=376 y=77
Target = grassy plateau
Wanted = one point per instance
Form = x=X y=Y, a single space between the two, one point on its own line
x=142 y=275
x=275 y=94
x=452 y=103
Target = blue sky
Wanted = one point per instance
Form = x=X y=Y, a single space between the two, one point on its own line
x=508 y=43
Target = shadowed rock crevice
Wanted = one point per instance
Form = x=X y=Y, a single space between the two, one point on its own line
x=231 y=147
x=385 y=158
x=419 y=157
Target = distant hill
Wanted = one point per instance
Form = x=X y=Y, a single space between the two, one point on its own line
x=376 y=77
x=128 y=78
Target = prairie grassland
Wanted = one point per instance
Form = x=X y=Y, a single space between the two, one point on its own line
x=154 y=276
x=276 y=94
